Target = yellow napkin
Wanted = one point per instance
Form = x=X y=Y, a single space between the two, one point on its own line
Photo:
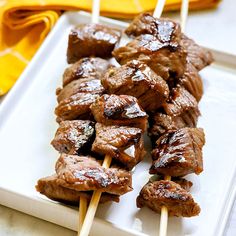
x=25 y=24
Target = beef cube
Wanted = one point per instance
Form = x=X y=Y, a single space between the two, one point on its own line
x=51 y=188
x=176 y=199
x=164 y=29
x=92 y=86
x=167 y=59
x=121 y=110
x=180 y=111
x=192 y=82
x=88 y=67
x=138 y=80
x=87 y=40
x=76 y=107
x=179 y=153
x=120 y=142
x=180 y=101
x=198 y=56
x=83 y=173
x=161 y=123
x=74 y=136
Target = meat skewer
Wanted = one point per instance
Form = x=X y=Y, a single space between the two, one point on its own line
x=83 y=200
x=96 y=195
x=164 y=210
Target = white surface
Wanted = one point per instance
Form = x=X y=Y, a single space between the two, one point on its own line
x=17 y=227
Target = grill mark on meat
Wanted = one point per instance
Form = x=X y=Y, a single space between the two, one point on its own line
x=83 y=173
x=91 y=40
x=138 y=80
x=114 y=140
x=178 y=153
x=167 y=193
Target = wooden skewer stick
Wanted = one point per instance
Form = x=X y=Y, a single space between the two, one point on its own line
x=184 y=14
x=164 y=210
x=159 y=8
x=83 y=200
x=93 y=204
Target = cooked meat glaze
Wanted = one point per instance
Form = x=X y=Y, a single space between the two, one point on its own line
x=167 y=59
x=121 y=110
x=198 y=56
x=86 y=68
x=74 y=136
x=91 y=40
x=92 y=86
x=176 y=199
x=123 y=143
x=179 y=152
x=76 y=107
x=165 y=30
x=51 y=188
x=180 y=100
x=83 y=173
x=192 y=81
x=180 y=111
x=138 y=80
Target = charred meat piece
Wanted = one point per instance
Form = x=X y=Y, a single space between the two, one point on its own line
x=120 y=142
x=76 y=107
x=51 y=188
x=161 y=123
x=176 y=199
x=192 y=82
x=89 y=67
x=164 y=29
x=91 y=40
x=167 y=59
x=180 y=100
x=92 y=86
x=198 y=56
x=138 y=80
x=179 y=153
x=74 y=136
x=180 y=111
x=121 y=110
x=83 y=173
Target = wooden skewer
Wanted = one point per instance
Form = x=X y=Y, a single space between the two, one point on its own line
x=83 y=200
x=93 y=204
x=164 y=210
x=184 y=14
x=159 y=8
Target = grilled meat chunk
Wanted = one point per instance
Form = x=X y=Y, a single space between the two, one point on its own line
x=119 y=110
x=180 y=100
x=91 y=40
x=88 y=67
x=138 y=80
x=92 y=86
x=51 y=188
x=76 y=107
x=74 y=136
x=180 y=111
x=198 y=56
x=179 y=153
x=164 y=29
x=192 y=82
x=176 y=199
x=83 y=173
x=120 y=142
x=167 y=59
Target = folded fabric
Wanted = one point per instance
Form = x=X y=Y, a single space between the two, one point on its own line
x=25 y=24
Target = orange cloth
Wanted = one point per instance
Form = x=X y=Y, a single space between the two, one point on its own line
x=25 y=24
